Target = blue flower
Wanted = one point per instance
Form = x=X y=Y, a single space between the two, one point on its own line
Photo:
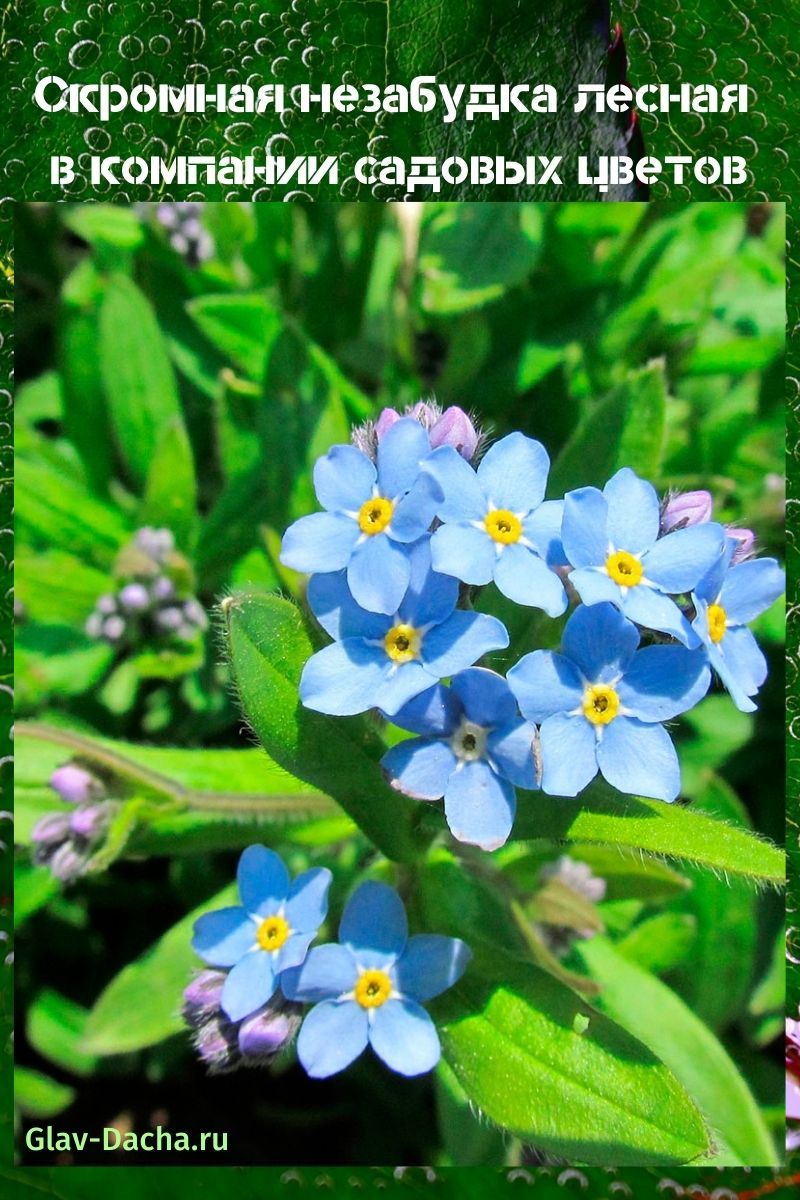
x=611 y=539
x=475 y=748
x=381 y=662
x=729 y=597
x=270 y=931
x=495 y=524
x=600 y=703
x=369 y=987
x=371 y=516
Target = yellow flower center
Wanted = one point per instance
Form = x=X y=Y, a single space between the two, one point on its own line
x=503 y=526
x=272 y=933
x=373 y=989
x=717 y=622
x=624 y=568
x=402 y=643
x=600 y=703
x=375 y=515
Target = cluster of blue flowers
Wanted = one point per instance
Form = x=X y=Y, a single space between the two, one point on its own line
x=366 y=989
x=411 y=526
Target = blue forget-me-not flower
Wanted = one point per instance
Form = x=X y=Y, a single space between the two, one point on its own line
x=382 y=661
x=474 y=749
x=373 y=512
x=496 y=526
x=611 y=539
x=270 y=931
x=725 y=600
x=368 y=989
x=601 y=702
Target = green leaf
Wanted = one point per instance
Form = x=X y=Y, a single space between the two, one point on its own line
x=56 y=511
x=602 y=815
x=625 y=428
x=170 y=494
x=33 y=888
x=105 y=224
x=37 y=1095
x=243 y=327
x=137 y=374
x=653 y=1013
x=54 y=1027
x=141 y=1005
x=467 y=1142
x=86 y=418
x=660 y=943
x=53 y=661
x=268 y=645
x=510 y=1034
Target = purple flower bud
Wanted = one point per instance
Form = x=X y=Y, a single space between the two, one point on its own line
x=265 y=1033
x=745 y=544
x=169 y=619
x=113 y=628
x=202 y=995
x=385 y=421
x=576 y=875
x=134 y=597
x=156 y=543
x=74 y=784
x=106 y=605
x=686 y=508
x=162 y=588
x=455 y=429
x=215 y=1042
x=50 y=830
x=67 y=864
x=89 y=821
x=94 y=625
x=194 y=612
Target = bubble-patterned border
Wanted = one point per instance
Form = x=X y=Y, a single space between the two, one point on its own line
x=6 y=680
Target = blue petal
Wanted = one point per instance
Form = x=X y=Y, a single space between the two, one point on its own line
x=740 y=664
x=463 y=496
x=404 y=1037
x=378 y=574
x=594 y=586
x=545 y=683
x=344 y=678
x=679 y=561
x=332 y=603
x=485 y=696
x=343 y=479
x=374 y=925
x=319 y=542
x=400 y=684
x=751 y=588
x=543 y=528
x=459 y=641
x=248 y=985
x=430 y=964
x=600 y=641
x=479 y=806
x=510 y=749
x=513 y=473
x=431 y=596
x=329 y=971
x=332 y=1036
x=634 y=513
x=433 y=713
x=639 y=759
x=307 y=905
x=263 y=880
x=293 y=952
x=464 y=552
x=654 y=610
x=400 y=453
x=584 y=532
x=420 y=767
x=710 y=585
x=663 y=681
x=222 y=937
x=569 y=754
x=414 y=514
x=525 y=578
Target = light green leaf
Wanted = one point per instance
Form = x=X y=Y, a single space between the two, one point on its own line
x=137 y=374
x=54 y=1026
x=170 y=494
x=268 y=645
x=106 y=224
x=653 y=1013
x=659 y=943
x=55 y=510
x=141 y=1005
x=242 y=326
x=37 y=1095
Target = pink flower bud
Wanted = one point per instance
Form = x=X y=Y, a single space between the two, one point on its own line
x=201 y=997
x=388 y=418
x=74 y=784
x=686 y=508
x=50 y=830
x=265 y=1033
x=455 y=429
x=745 y=544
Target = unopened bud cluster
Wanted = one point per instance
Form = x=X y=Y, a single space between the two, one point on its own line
x=224 y=1045
x=65 y=841
x=445 y=427
x=184 y=229
x=679 y=510
x=148 y=605
x=579 y=878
